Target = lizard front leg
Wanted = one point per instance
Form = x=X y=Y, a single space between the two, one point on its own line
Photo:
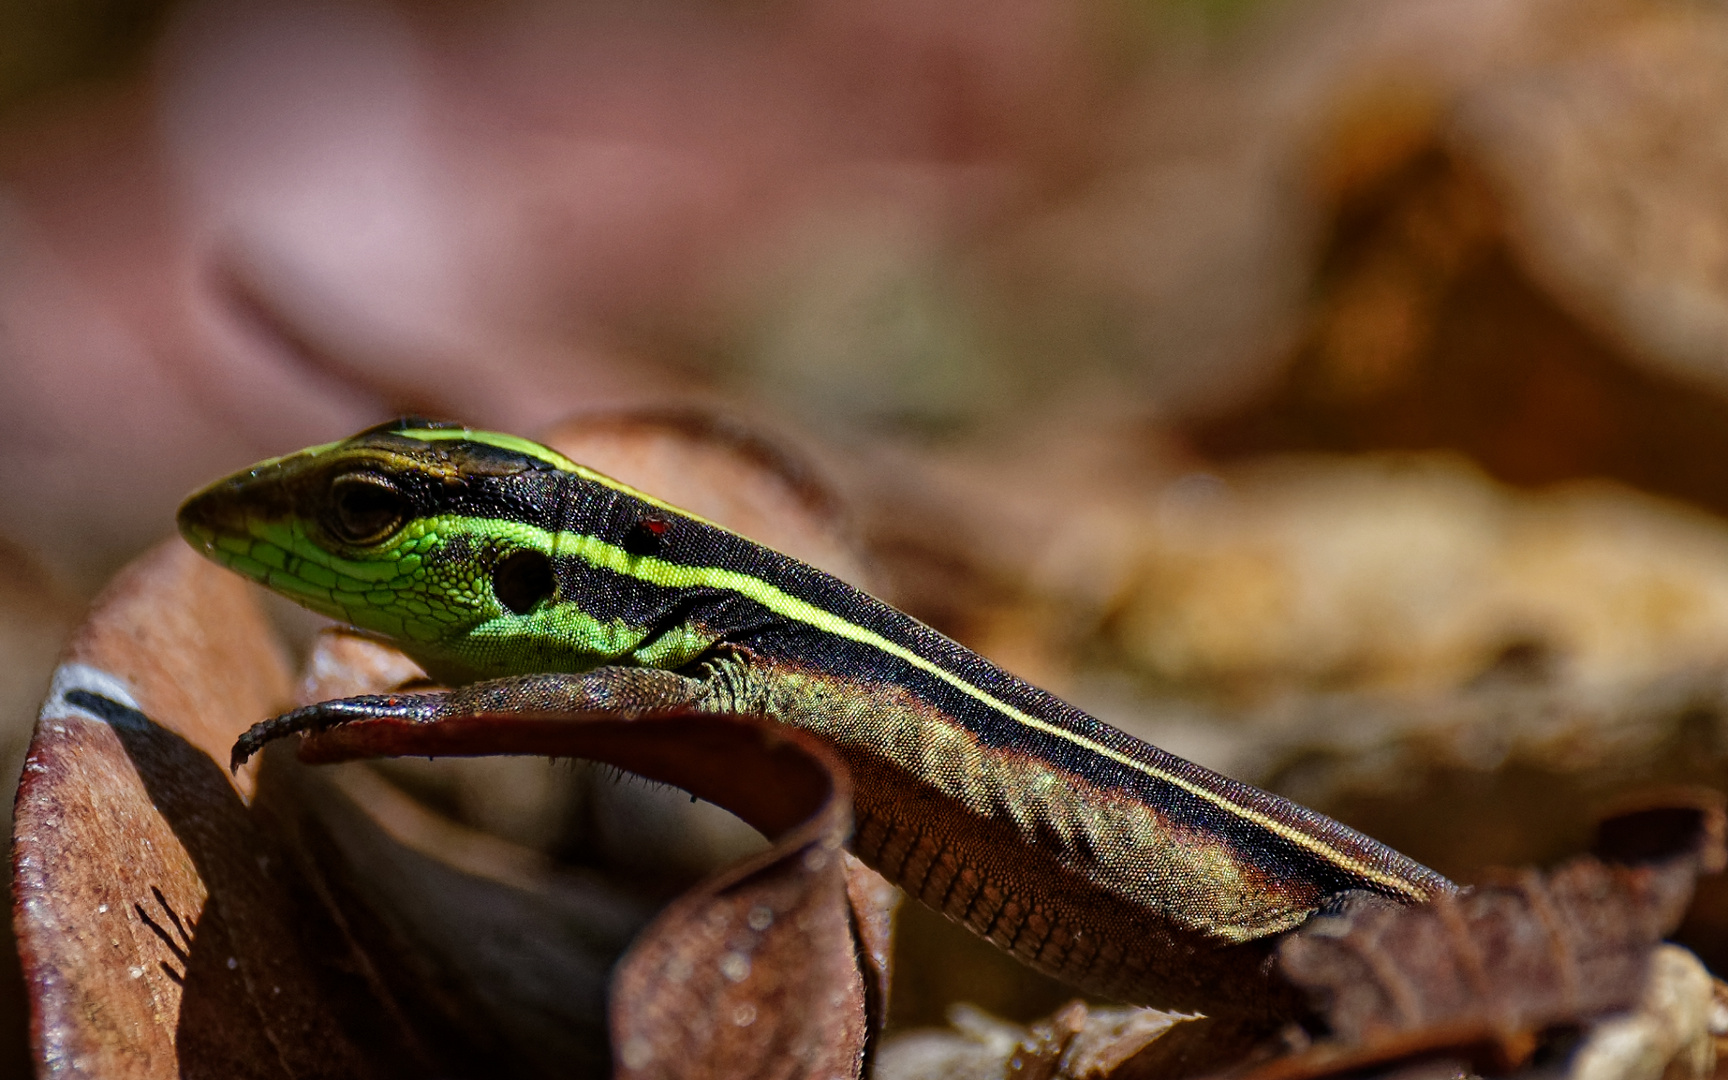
x=689 y=732
x=623 y=692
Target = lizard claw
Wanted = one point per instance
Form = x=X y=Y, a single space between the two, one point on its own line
x=310 y=718
x=325 y=715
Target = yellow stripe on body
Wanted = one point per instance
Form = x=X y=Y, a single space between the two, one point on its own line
x=672 y=575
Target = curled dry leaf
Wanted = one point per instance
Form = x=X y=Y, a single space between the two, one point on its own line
x=753 y=974
x=508 y=952
x=874 y=901
x=1565 y=967
x=162 y=931
x=176 y=922
x=1483 y=976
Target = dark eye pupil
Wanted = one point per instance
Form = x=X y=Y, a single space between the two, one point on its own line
x=522 y=579
x=367 y=509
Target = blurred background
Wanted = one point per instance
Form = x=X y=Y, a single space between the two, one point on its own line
x=1333 y=392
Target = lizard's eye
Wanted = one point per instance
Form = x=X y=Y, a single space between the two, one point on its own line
x=367 y=509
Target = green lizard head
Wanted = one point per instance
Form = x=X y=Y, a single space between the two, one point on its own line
x=479 y=554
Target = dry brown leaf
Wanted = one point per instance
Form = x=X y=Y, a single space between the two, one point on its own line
x=1484 y=976
x=754 y=975
x=163 y=932
x=169 y=928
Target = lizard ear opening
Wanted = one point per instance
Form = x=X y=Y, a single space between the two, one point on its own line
x=522 y=579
